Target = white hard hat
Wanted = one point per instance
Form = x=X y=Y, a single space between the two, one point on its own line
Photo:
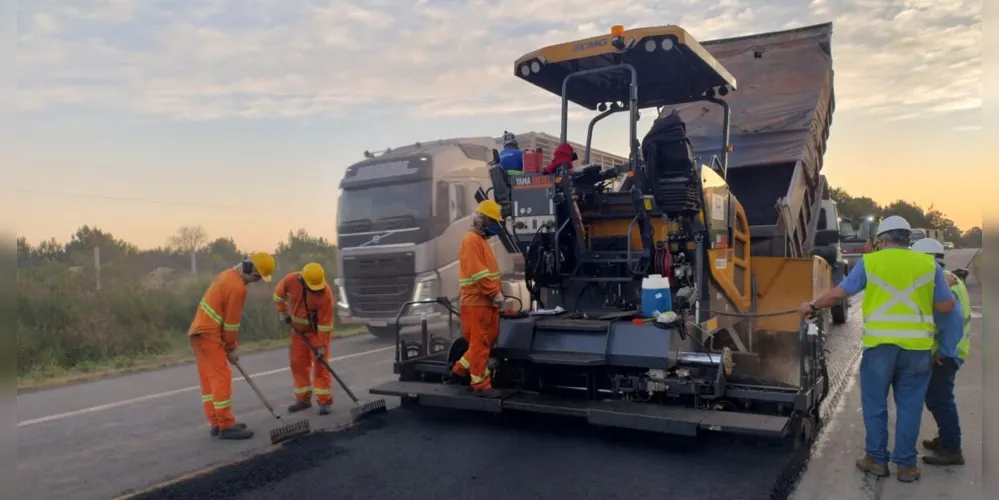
x=893 y=223
x=930 y=246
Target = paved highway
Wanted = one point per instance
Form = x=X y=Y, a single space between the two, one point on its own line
x=99 y=439
x=96 y=440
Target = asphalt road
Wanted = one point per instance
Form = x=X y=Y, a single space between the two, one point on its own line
x=96 y=440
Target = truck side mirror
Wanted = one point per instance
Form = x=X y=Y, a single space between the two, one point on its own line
x=496 y=158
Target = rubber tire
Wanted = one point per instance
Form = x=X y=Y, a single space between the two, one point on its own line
x=383 y=332
x=840 y=312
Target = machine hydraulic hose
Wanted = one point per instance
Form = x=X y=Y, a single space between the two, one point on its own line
x=541 y=263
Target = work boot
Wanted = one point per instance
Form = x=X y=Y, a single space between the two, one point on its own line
x=932 y=444
x=489 y=393
x=869 y=466
x=453 y=378
x=907 y=474
x=943 y=457
x=237 y=425
x=325 y=409
x=299 y=406
x=235 y=433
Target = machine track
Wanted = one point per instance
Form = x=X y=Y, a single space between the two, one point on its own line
x=424 y=453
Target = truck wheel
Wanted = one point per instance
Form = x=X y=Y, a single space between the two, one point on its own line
x=840 y=312
x=383 y=332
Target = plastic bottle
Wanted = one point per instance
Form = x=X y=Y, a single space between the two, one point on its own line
x=656 y=296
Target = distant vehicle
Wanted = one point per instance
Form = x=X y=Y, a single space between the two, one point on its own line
x=919 y=233
x=856 y=237
x=948 y=245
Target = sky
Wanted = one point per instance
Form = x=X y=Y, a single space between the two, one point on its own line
x=141 y=116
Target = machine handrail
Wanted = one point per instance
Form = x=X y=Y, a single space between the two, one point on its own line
x=444 y=301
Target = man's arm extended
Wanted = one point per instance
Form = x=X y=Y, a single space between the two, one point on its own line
x=943 y=297
x=853 y=284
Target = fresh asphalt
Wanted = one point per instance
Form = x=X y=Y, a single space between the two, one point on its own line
x=100 y=439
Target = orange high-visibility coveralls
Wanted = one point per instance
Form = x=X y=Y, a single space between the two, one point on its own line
x=319 y=330
x=479 y=280
x=214 y=331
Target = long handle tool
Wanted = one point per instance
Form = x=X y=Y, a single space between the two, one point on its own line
x=360 y=410
x=284 y=432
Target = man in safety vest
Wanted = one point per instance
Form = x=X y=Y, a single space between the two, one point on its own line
x=311 y=312
x=480 y=299
x=902 y=290
x=950 y=350
x=214 y=336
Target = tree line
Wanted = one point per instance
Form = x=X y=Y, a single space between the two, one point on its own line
x=81 y=308
x=929 y=218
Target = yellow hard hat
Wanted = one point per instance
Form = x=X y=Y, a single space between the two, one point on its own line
x=264 y=263
x=490 y=209
x=314 y=276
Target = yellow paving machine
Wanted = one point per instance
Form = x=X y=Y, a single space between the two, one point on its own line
x=663 y=290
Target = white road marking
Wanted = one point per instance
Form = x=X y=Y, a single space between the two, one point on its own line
x=94 y=409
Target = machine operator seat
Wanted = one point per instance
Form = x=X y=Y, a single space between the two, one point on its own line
x=670 y=166
x=501 y=189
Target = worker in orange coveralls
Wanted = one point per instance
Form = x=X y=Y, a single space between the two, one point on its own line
x=311 y=313
x=480 y=299
x=214 y=336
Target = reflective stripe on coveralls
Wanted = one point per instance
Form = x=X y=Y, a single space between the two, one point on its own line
x=308 y=376
x=215 y=329
x=479 y=280
x=898 y=301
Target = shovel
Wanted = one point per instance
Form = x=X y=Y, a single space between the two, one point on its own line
x=284 y=432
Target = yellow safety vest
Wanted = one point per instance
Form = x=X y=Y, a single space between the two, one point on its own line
x=961 y=292
x=898 y=299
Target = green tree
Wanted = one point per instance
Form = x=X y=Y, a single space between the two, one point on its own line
x=851 y=207
x=301 y=248
x=972 y=238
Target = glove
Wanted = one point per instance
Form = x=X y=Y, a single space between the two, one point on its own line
x=232 y=356
x=498 y=299
x=285 y=318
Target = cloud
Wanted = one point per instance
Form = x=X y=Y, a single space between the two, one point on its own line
x=444 y=58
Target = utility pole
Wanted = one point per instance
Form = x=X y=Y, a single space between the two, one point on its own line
x=97 y=265
x=194 y=263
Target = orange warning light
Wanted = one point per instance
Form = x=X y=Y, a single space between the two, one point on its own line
x=617 y=30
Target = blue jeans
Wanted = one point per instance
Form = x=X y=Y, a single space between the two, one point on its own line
x=941 y=403
x=907 y=374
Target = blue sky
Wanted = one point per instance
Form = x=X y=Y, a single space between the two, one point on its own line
x=142 y=116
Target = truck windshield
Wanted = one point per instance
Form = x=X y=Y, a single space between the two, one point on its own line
x=371 y=205
x=849 y=232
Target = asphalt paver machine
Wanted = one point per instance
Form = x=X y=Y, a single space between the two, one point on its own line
x=731 y=355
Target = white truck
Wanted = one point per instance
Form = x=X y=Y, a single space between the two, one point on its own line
x=401 y=216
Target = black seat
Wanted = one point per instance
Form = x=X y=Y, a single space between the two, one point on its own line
x=670 y=166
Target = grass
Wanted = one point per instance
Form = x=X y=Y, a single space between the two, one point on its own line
x=177 y=354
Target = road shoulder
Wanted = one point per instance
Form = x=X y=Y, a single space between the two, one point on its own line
x=831 y=474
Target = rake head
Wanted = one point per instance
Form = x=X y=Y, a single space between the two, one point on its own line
x=286 y=432
x=366 y=409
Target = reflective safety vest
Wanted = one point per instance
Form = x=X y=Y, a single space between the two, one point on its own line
x=961 y=292
x=478 y=273
x=898 y=299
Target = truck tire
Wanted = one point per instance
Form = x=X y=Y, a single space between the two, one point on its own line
x=840 y=312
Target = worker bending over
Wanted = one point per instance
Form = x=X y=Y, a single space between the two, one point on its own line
x=511 y=157
x=902 y=289
x=305 y=301
x=214 y=336
x=949 y=352
x=480 y=299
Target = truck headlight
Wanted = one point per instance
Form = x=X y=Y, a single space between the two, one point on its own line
x=427 y=286
x=341 y=296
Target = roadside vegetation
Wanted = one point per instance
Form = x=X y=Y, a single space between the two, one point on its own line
x=76 y=320
x=928 y=218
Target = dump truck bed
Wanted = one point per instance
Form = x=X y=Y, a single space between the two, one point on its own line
x=780 y=120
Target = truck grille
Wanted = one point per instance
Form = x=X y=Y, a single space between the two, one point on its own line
x=378 y=285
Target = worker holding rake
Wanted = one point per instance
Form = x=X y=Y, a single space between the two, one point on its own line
x=305 y=302
x=214 y=335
